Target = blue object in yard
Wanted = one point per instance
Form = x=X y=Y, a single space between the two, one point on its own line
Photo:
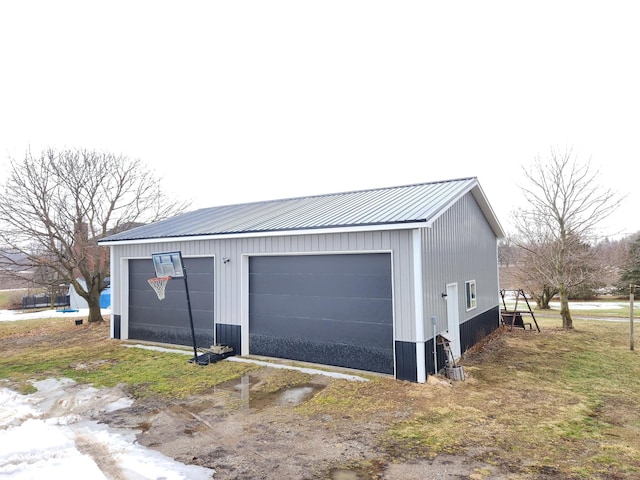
x=105 y=298
x=67 y=310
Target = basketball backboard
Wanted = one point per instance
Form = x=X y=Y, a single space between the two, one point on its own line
x=168 y=264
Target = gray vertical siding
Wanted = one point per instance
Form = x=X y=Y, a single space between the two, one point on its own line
x=460 y=246
x=228 y=276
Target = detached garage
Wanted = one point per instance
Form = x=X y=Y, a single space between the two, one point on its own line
x=361 y=280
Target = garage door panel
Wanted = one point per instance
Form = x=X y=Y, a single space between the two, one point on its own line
x=198 y=283
x=327 y=353
x=348 y=309
x=143 y=297
x=169 y=316
x=332 y=309
x=319 y=264
x=347 y=333
x=368 y=286
x=173 y=335
x=179 y=317
x=199 y=300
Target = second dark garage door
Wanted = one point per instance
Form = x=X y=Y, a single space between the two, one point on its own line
x=167 y=320
x=328 y=309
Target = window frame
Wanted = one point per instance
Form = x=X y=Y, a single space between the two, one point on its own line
x=470 y=295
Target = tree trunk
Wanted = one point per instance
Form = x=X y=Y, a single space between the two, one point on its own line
x=565 y=313
x=543 y=299
x=542 y=302
x=94 y=307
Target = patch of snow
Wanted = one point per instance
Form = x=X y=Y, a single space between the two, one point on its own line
x=17 y=315
x=47 y=435
x=591 y=305
x=574 y=305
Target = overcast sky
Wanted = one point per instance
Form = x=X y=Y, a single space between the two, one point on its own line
x=234 y=101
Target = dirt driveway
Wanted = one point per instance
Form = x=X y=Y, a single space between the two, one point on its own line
x=273 y=423
x=244 y=434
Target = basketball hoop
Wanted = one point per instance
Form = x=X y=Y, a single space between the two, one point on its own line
x=158 y=284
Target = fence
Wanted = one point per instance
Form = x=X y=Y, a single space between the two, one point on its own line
x=44 y=301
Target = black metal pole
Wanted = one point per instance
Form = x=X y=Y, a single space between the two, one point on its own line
x=193 y=332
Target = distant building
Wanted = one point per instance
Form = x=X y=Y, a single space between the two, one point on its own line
x=77 y=302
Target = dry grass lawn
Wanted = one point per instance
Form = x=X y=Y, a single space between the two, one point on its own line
x=555 y=404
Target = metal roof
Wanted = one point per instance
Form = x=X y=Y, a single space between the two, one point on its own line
x=393 y=206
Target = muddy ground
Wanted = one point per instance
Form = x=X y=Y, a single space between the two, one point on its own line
x=246 y=430
x=244 y=434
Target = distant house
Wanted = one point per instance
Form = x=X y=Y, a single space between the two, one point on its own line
x=360 y=279
x=78 y=303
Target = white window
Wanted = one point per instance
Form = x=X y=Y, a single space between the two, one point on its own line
x=470 y=294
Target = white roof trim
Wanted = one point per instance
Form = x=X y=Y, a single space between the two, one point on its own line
x=276 y=233
x=483 y=203
x=490 y=215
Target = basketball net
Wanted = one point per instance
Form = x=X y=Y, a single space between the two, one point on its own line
x=158 y=284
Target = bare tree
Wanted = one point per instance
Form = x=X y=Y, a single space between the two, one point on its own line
x=56 y=206
x=532 y=259
x=565 y=204
x=506 y=252
x=44 y=276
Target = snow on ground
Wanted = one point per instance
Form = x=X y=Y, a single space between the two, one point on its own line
x=591 y=305
x=16 y=315
x=47 y=435
x=573 y=305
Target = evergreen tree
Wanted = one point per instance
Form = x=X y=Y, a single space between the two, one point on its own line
x=630 y=272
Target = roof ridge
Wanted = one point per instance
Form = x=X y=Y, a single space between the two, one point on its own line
x=320 y=195
x=416 y=203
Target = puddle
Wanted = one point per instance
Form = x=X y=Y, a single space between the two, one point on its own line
x=258 y=400
x=294 y=396
x=345 y=475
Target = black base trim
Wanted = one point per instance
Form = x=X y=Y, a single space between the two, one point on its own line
x=406 y=364
x=117 y=326
x=440 y=357
x=471 y=332
x=474 y=330
x=230 y=335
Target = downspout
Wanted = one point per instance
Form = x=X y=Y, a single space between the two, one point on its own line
x=112 y=327
x=434 y=323
x=418 y=299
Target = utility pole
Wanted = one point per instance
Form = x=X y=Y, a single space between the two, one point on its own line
x=632 y=289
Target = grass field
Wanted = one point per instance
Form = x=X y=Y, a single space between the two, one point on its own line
x=10 y=298
x=554 y=404
x=601 y=307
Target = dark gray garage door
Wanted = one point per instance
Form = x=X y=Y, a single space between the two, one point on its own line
x=330 y=309
x=167 y=320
